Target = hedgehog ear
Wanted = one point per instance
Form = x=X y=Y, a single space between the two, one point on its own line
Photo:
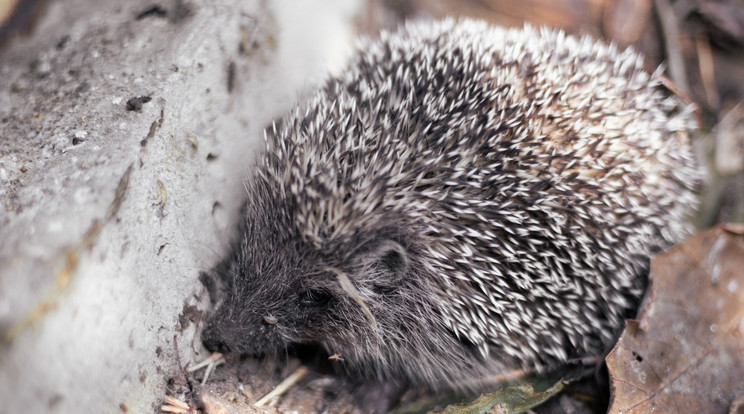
x=389 y=263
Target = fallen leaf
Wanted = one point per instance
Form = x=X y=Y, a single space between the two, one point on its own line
x=511 y=400
x=686 y=353
x=214 y=405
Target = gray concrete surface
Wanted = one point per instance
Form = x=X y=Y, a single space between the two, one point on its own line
x=108 y=215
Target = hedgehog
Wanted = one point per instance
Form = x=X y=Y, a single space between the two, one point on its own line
x=461 y=201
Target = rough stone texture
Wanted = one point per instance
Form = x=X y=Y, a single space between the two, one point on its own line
x=107 y=215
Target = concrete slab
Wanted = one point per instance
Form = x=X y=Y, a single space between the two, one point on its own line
x=109 y=213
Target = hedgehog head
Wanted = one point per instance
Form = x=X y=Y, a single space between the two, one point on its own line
x=294 y=294
x=357 y=292
x=281 y=287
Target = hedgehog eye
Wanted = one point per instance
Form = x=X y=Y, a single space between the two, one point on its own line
x=315 y=297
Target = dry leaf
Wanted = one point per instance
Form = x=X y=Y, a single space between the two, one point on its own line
x=686 y=353
x=216 y=405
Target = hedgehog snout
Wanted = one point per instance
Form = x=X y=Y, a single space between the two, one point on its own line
x=251 y=334
x=213 y=339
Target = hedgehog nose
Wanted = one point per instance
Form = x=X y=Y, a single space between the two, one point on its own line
x=213 y=340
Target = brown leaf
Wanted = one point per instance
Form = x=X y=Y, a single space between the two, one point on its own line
x=214 y=405
x=735 y=228
x=686 y=353
x=517 y=399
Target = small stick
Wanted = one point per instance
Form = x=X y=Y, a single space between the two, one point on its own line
x=175 y=401
x=214 y=358
x=670 y=28
x=283 y=386
x=707 y=70
x=172 y=409
x=209 y=370
x=211 y=363
x=175 y=406
x=669 y=84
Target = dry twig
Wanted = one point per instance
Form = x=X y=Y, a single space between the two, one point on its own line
x=707 y=71
x=670 y=28
x=211 y=363
x=174 y=405
x=283 y=386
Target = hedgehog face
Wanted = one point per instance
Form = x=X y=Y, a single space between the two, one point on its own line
x=362 y=297
x=255 y=317
x=282 y=292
